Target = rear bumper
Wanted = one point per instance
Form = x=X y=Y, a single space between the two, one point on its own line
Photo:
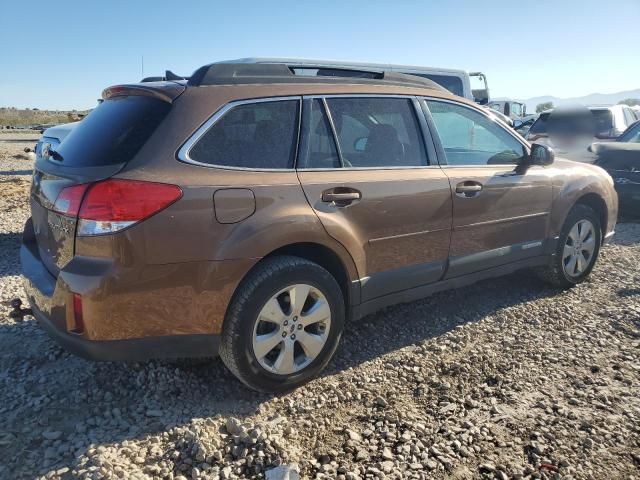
x=137 y=349
x=150 y=337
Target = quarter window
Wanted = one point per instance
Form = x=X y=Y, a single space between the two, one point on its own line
x=322 y=151
x=470 y=138
x=253 y=135
x=377 y=132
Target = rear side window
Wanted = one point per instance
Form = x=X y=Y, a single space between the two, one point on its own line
x=113 y=132
x=377 y=132
x=253 y=135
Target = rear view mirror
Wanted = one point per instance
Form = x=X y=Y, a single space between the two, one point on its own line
x=541 y=155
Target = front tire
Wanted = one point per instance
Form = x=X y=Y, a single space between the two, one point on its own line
x=577 y=250
x=283 y=325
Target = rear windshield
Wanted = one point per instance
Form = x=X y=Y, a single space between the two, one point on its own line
x=450 y=82
x=632 y=134
x=603 y=122
x=540 y=125
x=113 y=132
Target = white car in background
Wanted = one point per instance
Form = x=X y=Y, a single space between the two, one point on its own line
x=571 y=130
x=53 y=136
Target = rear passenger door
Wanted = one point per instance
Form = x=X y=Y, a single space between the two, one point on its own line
x=364 y=166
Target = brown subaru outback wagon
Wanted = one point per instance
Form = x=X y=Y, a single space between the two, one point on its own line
x=252 y=210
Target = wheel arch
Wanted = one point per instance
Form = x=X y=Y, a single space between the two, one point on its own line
x=598 y=205
x=327 y=259
x=323 y=255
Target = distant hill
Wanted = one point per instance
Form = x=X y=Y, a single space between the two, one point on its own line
x=593 y=99
x=11 y=116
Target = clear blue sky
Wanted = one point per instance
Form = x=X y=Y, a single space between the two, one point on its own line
x=62 y=53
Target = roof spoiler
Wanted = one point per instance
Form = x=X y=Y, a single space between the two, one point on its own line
x=166 y=92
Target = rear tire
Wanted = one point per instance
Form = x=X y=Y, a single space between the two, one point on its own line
x=577 y=249
x=283 y=325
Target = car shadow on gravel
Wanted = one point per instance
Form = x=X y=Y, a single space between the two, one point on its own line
x=417 y=322
x=100 y=403
x=9 y=254
x=628 y=292
x=16 y=172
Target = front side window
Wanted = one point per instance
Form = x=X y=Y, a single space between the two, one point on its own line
x=377 y=132
x=253 y=135
x=470 y=138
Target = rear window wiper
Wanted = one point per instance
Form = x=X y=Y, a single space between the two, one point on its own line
x=47 y=151
x=55 y=155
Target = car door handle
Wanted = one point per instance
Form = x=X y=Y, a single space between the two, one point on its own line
x=468 y=189
x=341 y=197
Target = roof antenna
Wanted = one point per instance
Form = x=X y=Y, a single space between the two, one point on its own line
x=142 y=64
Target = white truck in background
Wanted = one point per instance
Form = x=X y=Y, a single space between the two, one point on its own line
x=511 y=108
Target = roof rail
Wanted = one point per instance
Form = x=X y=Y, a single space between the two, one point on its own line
x=168 y=76
x=239 y=73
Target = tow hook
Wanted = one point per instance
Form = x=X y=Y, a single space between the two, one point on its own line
x=18 y=312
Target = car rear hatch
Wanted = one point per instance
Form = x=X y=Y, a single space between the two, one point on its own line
x=96 y=149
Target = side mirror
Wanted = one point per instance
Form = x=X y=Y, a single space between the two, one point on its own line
x=517 y=124
x=541 y=155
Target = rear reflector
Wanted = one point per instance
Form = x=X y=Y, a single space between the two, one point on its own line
x=77 y=314
x=111 y=205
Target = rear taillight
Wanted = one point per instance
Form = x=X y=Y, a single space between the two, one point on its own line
x=111 y=205
x=69 y=200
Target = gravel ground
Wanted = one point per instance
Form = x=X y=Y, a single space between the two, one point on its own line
x=504 y=379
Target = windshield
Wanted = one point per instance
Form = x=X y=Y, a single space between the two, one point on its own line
x=569 y=122
x=632 y=134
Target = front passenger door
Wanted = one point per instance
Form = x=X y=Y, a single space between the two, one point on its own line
x=500 y=212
